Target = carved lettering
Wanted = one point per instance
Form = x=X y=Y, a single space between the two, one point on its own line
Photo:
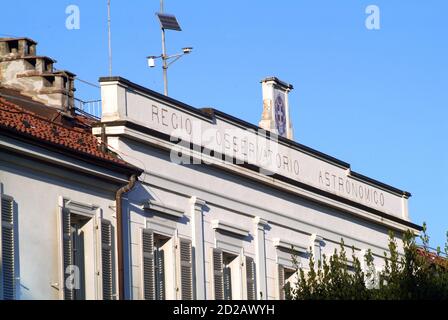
x=351 y=188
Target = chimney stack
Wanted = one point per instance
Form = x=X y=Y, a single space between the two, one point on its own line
x=34 y=76
x=276 y=116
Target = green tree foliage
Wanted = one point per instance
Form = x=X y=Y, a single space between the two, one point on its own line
x=413 y=273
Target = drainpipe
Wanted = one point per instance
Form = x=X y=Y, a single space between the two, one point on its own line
x=118 y=200
x=103 y=139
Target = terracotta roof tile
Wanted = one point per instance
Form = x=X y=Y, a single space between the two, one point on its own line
x=80 y=141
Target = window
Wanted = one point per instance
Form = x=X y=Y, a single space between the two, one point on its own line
x=154 y=265
x=290 y=256
x=7 y=248
x=87 y=256
x=230 y=263
x=287 y=279
x=233 y=278
x=162 y=262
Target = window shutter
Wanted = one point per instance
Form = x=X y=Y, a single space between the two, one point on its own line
x=218 y=275
x=149 y=291
x=227 y=274
x=281 y=282
x=106 y=258
x=67 y=248
x=186 y=269
x=159 y=274
x=7 y=249
x=250 y=279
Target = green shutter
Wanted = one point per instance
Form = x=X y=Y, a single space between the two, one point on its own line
x=148 y=265
x=8 y=249
x=218 y=274
x=106 y=258
x=186 y=269
x=281 y=282
x=250 y=279
x=159 y=259
x=69 y=294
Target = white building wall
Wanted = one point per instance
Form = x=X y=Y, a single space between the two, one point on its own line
x=37 y=189
x=236 y=200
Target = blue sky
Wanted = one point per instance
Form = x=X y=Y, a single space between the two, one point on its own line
x=377 y=99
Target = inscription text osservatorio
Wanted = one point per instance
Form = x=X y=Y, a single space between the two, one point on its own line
x=248 y=146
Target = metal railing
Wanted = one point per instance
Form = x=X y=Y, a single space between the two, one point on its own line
x=92 y=108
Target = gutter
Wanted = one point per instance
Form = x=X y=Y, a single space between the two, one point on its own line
x=120 y=251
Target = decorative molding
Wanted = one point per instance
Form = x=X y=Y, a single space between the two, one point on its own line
x=260 y=223
x=316 y=238
x=197 y=207
x=164 y=208
x=229 y=243
x=279 y=243
x=126 y=130
x=315 y=243
x=260 y=256
x=224 y=226
x=198 y=203
x=79 y=207
x=161 y=228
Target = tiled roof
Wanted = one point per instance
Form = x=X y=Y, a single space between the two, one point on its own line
x=433 y=257
x=78 y=139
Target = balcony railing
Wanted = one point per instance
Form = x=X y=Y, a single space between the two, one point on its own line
x=90 y=108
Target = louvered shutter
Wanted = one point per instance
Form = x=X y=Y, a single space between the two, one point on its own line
x=159 y=258
x=281 y=282
x=218 y=276
x=106 y=258
x=7 y=249
x=67 y=252
x=250 y=279
x=227 y=275
x=149 y=291
x=186 y=269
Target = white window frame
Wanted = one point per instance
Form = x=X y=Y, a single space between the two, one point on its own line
x=93 y=212
x=292 y=279
x=229 y=239
x=284 y=251
x=172 y=270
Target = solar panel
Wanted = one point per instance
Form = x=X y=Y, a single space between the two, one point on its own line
x=168 y=21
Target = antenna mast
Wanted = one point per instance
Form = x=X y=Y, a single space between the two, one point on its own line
x=110 y=37
x=167 y=22
x=164 y=57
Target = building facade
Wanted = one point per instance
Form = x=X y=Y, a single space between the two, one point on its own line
x=58 y=187
x=160 y=200
x=223 y=205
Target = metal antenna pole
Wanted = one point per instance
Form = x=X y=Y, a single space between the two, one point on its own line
x=109 y=37
x=165 y=66
x=164 y=56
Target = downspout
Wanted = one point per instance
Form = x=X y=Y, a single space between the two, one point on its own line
x=120 y=246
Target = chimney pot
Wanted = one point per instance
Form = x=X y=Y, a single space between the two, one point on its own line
x=276 y=115
x=34 y=76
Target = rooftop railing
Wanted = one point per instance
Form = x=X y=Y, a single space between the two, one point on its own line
x=90 y=108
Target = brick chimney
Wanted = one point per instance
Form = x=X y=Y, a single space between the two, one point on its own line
x=276 y=116
x=34 y=76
